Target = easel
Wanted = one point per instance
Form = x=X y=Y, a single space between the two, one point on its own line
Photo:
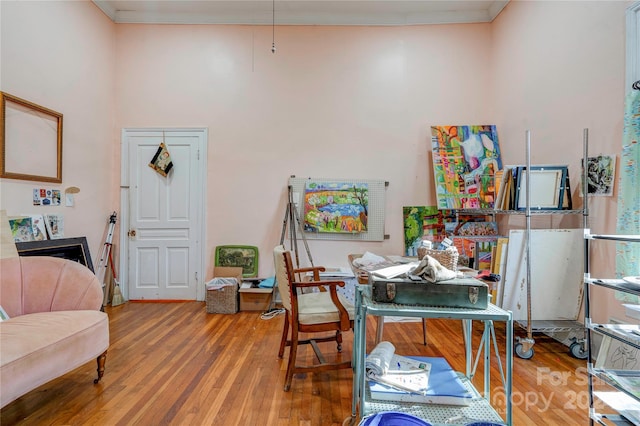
x=106 y=259
x=291 y=221
x=291 y=214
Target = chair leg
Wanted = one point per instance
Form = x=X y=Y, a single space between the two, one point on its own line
x=339 y=340
x=101 y=361
x=285 y=332
x=293 y=350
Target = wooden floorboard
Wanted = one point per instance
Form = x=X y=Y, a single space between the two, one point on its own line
x=174 y=364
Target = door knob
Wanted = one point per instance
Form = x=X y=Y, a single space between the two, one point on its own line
x=131 y=233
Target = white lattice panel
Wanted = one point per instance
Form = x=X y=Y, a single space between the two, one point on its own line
x=376 y=208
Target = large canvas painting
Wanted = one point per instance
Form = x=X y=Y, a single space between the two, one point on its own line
x=465 y=162
x=336 y=207
x=428 y=223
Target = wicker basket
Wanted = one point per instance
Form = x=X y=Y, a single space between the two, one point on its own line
x=223 y=300
x=447 y=258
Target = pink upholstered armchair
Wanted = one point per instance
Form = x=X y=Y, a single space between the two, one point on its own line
x=55 y=325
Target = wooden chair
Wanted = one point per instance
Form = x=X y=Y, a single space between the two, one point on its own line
x=313 y=312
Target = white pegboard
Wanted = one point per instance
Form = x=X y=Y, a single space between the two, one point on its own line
x=375 y=209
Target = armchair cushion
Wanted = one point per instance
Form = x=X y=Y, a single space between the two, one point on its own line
x=318 y=308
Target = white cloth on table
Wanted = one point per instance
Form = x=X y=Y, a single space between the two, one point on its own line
x=433 y=271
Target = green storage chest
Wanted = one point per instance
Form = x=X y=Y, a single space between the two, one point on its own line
x=467 y=293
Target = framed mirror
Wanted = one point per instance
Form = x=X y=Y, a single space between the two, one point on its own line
x=30 y=141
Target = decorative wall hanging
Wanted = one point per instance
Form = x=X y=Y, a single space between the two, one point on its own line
x=161 y=161
x=374 y=199
x=46 y=197
x=55 y=225
x=421 y=223
x=28 y=228
x=465 y=161
x=21 y=229
x=428 y=223
x=601 y=172
x=336 y=207
x=547 y=187
x=30 y=141
x=245 y=257
x=39 y=228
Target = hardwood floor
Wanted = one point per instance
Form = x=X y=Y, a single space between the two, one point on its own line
x=174 y=364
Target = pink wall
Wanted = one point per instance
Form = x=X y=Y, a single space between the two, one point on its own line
x=335 y=102
x=558 y=68
x=61 y=55
x=352 y=102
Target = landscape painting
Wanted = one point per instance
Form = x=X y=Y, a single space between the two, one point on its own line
x=465 y=162
x=421 y=223
x=336 y=207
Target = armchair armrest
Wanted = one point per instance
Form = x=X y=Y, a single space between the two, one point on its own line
x=318 y=283
x=315 y=269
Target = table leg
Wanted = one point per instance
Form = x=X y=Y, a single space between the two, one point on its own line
x=379 y=329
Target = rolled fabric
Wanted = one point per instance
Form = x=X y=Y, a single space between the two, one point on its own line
x=379 y=360
x=431 y=270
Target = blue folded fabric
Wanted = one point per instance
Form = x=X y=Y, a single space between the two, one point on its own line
x=267 y=282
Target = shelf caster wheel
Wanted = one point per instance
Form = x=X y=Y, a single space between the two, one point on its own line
x=578 y=351
x=522 y=353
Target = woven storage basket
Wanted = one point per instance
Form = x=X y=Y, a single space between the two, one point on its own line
x=223 y=300
x=447 y=258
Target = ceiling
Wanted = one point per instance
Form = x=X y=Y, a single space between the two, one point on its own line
x=301 y=12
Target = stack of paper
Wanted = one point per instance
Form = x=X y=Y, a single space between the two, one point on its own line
x=444 y=387
x=395 y=271
x=338 y=272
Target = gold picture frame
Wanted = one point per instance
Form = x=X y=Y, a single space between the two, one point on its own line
x=30 y=141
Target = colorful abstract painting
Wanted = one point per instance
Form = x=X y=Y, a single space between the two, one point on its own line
x=465 y=161
x=21 y=229
x=336 y=207
x=428 y=223
x=474 y=250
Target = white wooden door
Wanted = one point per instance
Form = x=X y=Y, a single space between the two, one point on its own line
x=164 y=226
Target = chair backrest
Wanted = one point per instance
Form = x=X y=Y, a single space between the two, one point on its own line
x=45 y=284
x=282 y=275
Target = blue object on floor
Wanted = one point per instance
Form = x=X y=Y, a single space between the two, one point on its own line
x=484 y=424
x=267 y=282
x=393 y=418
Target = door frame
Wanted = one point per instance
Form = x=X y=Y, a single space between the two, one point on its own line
x=125 y=200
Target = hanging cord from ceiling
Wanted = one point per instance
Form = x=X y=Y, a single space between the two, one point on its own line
x=636 y=85
x=273 y=26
